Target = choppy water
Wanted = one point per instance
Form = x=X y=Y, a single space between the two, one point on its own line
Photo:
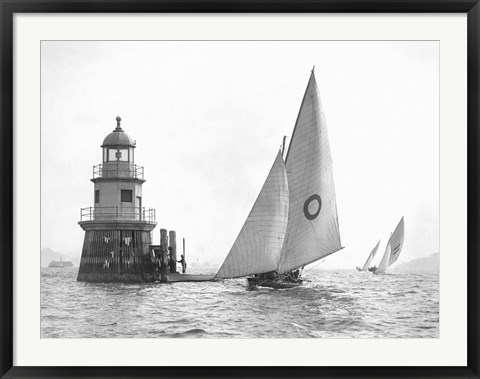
x=331 y=304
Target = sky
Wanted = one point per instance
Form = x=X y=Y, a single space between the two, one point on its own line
x=209 y=117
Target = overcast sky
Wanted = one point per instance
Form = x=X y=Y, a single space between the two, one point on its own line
x=209 y=117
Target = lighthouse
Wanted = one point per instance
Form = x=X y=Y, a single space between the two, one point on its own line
x=117 y=244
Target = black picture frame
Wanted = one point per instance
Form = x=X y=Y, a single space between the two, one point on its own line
x=10 y=8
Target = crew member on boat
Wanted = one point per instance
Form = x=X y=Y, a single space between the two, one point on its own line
x=291 y=277
x=271 y=275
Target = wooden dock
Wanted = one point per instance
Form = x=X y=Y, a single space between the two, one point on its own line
x=175 y=278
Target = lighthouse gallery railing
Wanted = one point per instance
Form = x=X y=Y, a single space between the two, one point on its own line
x=118 y=213
x=118 y=170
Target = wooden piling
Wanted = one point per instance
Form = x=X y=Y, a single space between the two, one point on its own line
x=163 y=239
x=164 y=252
x=173 y=244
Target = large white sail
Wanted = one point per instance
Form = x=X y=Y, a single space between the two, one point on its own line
x=258 y=246
x=396 y=241
x=312 y=229
x=370 y=257
x=382 y=266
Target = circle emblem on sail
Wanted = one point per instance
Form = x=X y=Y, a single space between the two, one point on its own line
x=306 y=205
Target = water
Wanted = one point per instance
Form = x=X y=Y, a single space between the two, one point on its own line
x=330 y=304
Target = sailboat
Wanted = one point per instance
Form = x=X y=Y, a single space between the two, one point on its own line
x=294 y=221
x=392 y=250
x=369 y=259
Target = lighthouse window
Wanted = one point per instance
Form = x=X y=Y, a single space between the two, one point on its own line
x=97 y=196
x=115 y=155
x=123 y=155
x=112 y=155
x=126 y=196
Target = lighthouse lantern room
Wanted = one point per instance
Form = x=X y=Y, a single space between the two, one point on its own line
x=118 y=227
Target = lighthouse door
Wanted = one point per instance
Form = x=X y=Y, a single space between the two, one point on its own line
x=138 y=206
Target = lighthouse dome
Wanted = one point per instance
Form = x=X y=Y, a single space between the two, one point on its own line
x=118 y=137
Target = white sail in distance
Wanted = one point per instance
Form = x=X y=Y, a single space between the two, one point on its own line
x=382 y=266
x=370 y=257
x=312 y=229
x=396 y=241
x=259 y=243
x=393 y=249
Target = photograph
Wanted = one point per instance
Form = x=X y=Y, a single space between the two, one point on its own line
x=240 y=189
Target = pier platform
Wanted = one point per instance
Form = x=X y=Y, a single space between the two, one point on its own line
x=175 y=278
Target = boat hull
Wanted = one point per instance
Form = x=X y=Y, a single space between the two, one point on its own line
x=272 y=283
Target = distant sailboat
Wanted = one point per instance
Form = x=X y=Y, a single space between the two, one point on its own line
x=294 y=221
x=382 y=266
x=369 y=259
x=393 y=249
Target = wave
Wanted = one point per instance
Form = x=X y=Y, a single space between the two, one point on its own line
x=190 y=333
x=330 y=305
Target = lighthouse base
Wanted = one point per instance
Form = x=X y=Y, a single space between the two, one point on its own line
x=117 y=252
